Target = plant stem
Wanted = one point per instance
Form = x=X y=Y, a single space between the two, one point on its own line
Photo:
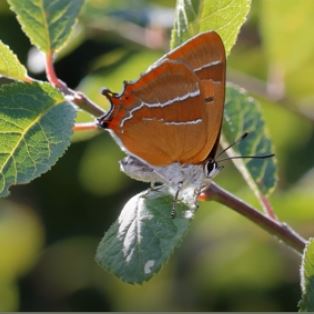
x=268 y=208
x=50 y=71
x=281 y=230
x=86 y=104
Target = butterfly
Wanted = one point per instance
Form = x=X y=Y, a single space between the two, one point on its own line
x=169 y=120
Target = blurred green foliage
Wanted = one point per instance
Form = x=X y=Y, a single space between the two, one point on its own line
x=225 y=262
x=21 y=239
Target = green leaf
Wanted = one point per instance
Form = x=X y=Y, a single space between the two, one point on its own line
x=223 y=16
x=48 y=23
x=307 y=278
x=35 y=128
x=242 y=114
x=143 y=237
x=284 y=29
x=10 y=66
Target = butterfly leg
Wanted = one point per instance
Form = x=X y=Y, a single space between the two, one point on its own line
x=173 y=212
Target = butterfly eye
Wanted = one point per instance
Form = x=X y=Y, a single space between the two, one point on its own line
x=210 y=168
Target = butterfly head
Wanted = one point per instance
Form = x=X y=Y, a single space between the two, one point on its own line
x=211 y=168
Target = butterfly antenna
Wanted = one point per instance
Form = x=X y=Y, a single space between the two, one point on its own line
x=243 y=136
x=247 y=157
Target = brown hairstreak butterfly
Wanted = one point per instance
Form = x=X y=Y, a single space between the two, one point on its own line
x=169 y=120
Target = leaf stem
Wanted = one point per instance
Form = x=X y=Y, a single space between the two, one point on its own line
x=268 y=208
x=50 y=71
x=281 y=230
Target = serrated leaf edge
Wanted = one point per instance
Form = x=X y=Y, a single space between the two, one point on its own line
x=24 y=28
x=18 y=63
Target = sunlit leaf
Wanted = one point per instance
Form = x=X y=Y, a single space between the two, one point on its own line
x=35 y=128
x=10 y=66
x=242 y=114
x=307 y=278
x=48 y=23
x=223 y=16
x=143 y=237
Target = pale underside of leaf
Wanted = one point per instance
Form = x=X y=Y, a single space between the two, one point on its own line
x=10 y=66
x=223 y=16
x=144 y=236
x=48 y=23
x=35 y=129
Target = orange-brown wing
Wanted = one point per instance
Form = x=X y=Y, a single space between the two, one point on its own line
x=174 y=111
x=205 y=55
x=162 y=118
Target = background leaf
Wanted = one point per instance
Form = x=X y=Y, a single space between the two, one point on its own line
x=307 y=278
x=223 y=16
x=242 y=114
x=47 y=23
x=282 y=27
x=10 y=66
x=21 y=242
x=35 y=128
x=143 y=237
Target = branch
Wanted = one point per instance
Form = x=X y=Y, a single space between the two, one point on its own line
x=85 y=103
x=152 y=38
x=281 y=230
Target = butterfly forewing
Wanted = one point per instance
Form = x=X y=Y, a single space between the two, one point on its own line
x=205 y=55
x=165 y=116
x=173 y=113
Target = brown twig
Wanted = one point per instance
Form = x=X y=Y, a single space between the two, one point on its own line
x=86 y=104
x=281 y=230
x=152 y=38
